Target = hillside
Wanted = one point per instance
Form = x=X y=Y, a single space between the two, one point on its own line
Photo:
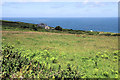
x=10 y=25
x=57 y=54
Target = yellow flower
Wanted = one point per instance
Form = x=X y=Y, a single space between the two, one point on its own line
x=96 y=70
x=53 y=77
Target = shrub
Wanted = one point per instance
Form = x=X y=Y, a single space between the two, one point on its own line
x=16 y=65
x=34 y=28
x=24 y=27
x=115 y=34
x=58 y=28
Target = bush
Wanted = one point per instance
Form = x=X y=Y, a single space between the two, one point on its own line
x=24 y=27
x=58 y=28
x=34 y=28
x=16 y=65
x=115 y=34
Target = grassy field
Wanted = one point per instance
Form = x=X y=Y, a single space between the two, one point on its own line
x=93 y=55
x=67 y=43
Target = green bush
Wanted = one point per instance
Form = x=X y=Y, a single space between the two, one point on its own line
x=16 y=65
x=115 y=34
x=34 y=28
x=58 y=28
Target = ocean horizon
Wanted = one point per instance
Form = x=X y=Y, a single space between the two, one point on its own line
x=102 y=24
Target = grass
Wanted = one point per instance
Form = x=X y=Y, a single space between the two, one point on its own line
x=73 y=43
x=92 y=54
x=79 y=50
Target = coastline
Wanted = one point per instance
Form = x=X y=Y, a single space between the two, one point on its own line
x=96 y=24
x=13 y=24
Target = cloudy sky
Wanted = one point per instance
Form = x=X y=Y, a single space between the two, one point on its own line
x=47 y=8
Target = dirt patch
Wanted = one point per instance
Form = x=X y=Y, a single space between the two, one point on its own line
x=47 y=33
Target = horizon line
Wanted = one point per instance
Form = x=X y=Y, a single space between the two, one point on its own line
x=60 y=17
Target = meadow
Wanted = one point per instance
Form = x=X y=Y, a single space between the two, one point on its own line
x=28 y=53
x=93 y=55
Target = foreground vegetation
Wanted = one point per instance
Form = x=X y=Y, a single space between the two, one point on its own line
x=16 y=65
x=91 y=56
x=33 y=54
x=43 y=64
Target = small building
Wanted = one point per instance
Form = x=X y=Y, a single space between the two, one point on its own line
x=91 y=30
x=47 y=27
x=43 y=26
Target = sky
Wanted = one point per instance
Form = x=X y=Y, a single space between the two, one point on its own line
x=47 y=8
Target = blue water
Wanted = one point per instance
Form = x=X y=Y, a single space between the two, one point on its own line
x=95 y=24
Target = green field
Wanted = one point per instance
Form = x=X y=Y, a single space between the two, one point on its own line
x=31 y=52
x=94 y=56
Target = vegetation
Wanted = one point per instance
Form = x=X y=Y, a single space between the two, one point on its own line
x=28 y=53
x=15 y=65
x=43 y=64
x=9 y=25
x=58 y=28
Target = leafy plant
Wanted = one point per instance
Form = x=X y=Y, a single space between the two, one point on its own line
x=15 y=65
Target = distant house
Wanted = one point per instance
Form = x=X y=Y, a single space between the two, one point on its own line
x=47 y=27
x=91 y=30
x=43 y=26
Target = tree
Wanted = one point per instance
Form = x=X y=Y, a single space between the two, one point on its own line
x=58 y=28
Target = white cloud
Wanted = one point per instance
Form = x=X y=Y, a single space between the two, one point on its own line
x=85 y=1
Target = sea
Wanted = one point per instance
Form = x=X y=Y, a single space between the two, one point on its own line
x=105 y=24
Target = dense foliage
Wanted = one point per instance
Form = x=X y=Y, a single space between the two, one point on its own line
x=38 y=65
x=15 y=65
x=58 y=28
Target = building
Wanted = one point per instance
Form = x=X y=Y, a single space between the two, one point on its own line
x=43 y=26
x=47 y=27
